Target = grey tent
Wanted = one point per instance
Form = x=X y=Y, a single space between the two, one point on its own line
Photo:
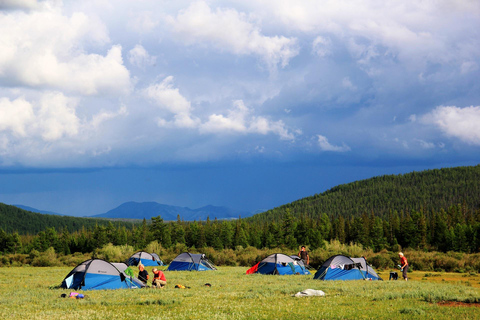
x=97 y=274
x=340 y=267
x=191 y=262
x=145 y=258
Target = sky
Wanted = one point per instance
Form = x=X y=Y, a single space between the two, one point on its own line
x=247 y=104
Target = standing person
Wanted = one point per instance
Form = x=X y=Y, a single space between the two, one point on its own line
x=303 y=254
x=159 y=280
x=403 y=265
x=142 y=274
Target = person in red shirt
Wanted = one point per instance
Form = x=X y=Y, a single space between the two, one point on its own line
x=159 y=280
x=403 y=265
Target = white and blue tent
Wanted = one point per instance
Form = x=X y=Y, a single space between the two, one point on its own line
x=145 y=258
x=191 y=262
x=340 y=267
x=281 y=264
x=97 y=274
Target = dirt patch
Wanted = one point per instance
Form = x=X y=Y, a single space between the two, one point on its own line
x=458 y=304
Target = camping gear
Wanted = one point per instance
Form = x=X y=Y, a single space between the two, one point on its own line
x=393 y=276
x=300 y=261
x=191 y=262
x=279 y=263
x=310 y=293
x=340 y=267
x=96 y=274
x=145 y=258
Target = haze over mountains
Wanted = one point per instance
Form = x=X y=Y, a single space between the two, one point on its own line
x=147 y=210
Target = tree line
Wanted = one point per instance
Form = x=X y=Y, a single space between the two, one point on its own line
x=454 y=229
x=431 y=210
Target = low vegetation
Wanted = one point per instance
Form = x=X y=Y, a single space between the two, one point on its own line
x=31 y=293
x=246 y=257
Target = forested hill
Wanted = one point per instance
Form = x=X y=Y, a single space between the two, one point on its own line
x=13 y=219
x=428 y=190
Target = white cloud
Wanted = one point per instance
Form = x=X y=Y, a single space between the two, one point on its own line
x=230 y=30
x=468 y=66
x=52 y=118
x=347 y=84
x=103 y=116
x=461 y=123
x=424 y=144
x=56 y=117
x=409 y=31
x=169 y=98
x=326 y=146
x=234 y=121
x=15 y=115
x=322 y=46
x=143 y=22
x=140 y=58
x=239 y=120
x=44 y=48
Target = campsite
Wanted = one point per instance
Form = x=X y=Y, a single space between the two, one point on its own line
x=28 y=292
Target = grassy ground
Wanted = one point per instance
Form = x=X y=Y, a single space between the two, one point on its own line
x=25 y=293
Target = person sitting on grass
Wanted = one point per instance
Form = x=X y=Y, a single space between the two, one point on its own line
x=403 y=265
x=159 y=280
x=142 y=274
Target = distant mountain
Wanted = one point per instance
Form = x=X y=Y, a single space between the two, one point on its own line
x=27 y=208
x=15 y=219
x=147 y=210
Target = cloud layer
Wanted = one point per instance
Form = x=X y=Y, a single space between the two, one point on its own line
x=95 y=83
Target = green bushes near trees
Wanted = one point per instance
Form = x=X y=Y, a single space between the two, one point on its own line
x=246 y=257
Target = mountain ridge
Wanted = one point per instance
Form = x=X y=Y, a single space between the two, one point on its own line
x=149 y=209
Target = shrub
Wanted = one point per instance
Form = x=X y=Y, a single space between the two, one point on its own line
x=381 y=261
x=46 y=259
x=112 y=253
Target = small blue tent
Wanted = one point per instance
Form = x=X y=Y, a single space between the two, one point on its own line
x=145 y=258
x=341 y=267
x=99 y=274
x=190 y=262
x=279 y=263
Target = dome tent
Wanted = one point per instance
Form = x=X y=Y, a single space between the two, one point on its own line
x=279 y=263
x=145 y=258
x=97 y=274
x=191 y=262
x=340 y=267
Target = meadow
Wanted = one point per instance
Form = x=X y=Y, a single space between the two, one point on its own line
x=31 y=293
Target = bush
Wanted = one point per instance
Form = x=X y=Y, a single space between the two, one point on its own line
x=113 y=253
x=381 y=261
x=46 y=259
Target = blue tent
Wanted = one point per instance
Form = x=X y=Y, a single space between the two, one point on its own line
x=145 y=258
x=99 y=274
x=190 y=262
x=341 y=267
x=279 y=263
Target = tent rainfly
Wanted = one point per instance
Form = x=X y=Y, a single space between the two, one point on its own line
x=145 y=258
x=279 y=263
x=99 y=274
x=191 y=262
x=341 y=267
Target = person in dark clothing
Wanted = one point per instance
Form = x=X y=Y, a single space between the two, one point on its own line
x=303 y=254
x=142 y=274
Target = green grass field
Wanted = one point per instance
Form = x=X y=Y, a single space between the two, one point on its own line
x=26 y=293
